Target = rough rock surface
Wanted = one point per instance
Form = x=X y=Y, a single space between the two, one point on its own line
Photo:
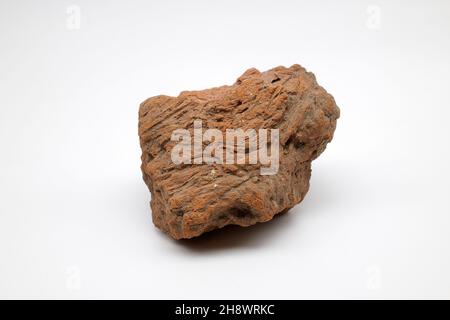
x=190 y=199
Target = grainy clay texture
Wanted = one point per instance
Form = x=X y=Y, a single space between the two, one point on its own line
x=191 y=199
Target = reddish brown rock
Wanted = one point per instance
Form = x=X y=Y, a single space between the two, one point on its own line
x=190 y=199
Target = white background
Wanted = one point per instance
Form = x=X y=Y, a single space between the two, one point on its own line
x=74 y=212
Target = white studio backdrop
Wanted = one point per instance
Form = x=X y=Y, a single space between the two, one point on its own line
x=74 y=212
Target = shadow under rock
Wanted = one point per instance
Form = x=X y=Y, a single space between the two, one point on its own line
x=320 y=199
x=234 y=236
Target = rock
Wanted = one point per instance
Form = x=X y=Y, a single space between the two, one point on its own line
x=189 y=199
